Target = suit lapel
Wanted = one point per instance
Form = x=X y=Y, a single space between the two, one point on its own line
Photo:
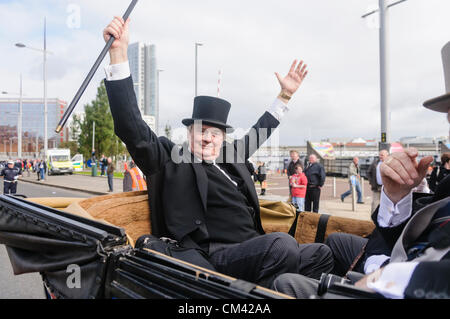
x=414 y=228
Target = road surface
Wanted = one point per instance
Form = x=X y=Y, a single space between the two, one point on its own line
x=26 y=286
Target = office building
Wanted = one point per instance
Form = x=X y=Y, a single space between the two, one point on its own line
x=32 y=125
x=143 y=67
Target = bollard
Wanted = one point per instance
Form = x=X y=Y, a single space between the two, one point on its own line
x=353 y=198
x=334 y=186
x=94 y=169
x=362 y=188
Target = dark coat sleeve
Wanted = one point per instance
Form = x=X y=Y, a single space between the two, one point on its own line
x=382 y=239
x=149 y=152
x=430 y=279
x=322 y=176
x=433 y=179
x=372 y=175
x=256 y=136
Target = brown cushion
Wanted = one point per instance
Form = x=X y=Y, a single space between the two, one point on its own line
x=130 y=210
x=276 y=216
x=307 y=227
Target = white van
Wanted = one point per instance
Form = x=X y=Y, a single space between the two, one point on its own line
x=58 y=161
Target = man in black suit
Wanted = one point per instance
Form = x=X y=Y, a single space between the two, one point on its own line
x=201 y=193
x=408 y=253
x=374 y=177
x=315 y=173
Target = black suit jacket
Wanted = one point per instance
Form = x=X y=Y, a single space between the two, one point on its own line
x=178 y=187
x=383 y=239
x=430 y=278
x=372 y=175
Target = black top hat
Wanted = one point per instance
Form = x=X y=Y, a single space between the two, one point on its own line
x=442 y=103
x=211 y=111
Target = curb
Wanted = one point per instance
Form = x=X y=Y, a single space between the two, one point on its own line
x=67 y=188
x=75 y=174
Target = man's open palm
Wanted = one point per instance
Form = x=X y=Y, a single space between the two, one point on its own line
x=291 y=82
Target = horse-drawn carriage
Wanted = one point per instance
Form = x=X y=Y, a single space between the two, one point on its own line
x=85 y=248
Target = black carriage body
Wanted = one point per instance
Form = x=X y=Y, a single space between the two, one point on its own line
x=58 y=244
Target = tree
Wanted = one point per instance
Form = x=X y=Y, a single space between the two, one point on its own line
x=106 y=142
x=72 y=145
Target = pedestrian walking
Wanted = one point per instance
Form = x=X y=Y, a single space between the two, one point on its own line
x=315 y=173
x=354 y=177
x=110 y=173
x=298 y=183
x=43 y=169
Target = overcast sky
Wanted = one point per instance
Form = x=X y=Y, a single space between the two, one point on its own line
x=249 y=41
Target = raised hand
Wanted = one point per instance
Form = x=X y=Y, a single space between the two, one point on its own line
x=292 y=81
x=401 y=173
x=119 y=29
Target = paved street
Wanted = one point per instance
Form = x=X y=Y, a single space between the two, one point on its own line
x=95 y=185
x=278 y=189
x=26 y=286
x=36 y=190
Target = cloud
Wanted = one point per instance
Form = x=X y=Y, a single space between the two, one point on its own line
x=249 y=41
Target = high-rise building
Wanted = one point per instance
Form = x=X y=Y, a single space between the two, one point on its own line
x=32 y=124
x=143 y=67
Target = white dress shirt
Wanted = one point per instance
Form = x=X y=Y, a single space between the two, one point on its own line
x=378 y=173
x=394 y=279
x=396 y=276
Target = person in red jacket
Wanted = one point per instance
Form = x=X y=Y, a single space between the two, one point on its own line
x=298 y=183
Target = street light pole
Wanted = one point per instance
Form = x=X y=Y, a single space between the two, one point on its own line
x=45 y=89
x=384 y=108
x=45 y=52
x=196 y=65
x=93 y=137
x=384 y=79
x=19 y=124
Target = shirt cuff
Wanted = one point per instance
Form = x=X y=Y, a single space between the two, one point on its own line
x=115 y=72
x=393 y=280
x=278 y=109
x=374 y=262
x=390 y=215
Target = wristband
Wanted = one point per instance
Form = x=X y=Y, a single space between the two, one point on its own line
x=285 y=96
